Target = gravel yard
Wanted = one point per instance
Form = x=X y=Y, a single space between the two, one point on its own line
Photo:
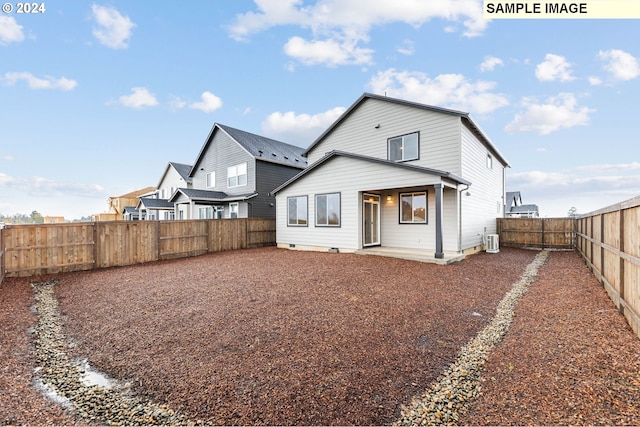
x=269 y=336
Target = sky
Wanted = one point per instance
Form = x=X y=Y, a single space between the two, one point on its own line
x=97 y=97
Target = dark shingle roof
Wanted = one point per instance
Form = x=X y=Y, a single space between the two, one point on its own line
x=267 y=149
x=183 y=170
x=209 y=195
x=153 y=203
x=524 y=208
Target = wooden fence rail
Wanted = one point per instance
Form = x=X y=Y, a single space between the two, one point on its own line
x=545 y=233
x=609 y=242
x=37 y=249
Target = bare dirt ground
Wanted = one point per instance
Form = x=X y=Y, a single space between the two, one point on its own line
x=268 y=336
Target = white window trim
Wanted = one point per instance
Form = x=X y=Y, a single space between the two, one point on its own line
x=211 y=180
x=232 y=172
x=426 y=207
x=236 y=210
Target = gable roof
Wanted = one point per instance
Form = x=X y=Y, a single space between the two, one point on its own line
x=466 y=119
x=513 y=198
x=336 y=153
x=182 y=169
x=209 y=195
x=260 y=147
x=153 y=203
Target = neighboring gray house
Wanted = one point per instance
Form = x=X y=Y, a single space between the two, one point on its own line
x=234 y=174
x=397 y=174
x=515 y=209
x=157 y=205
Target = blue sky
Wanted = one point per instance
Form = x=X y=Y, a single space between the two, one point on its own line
x=97 y=97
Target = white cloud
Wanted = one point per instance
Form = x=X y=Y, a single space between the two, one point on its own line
x=558 y=112
x=554 y=67
x=140 y=97
x=10 y=30
x=43 y=187
x=339 y=26
x=114 y=30
x=299 y=129
x=621 y=65
x=446 y=90
x=209 y=103
x=330 y=52
x=7 y=157
x=34 y=82
x=586 y=188
x=407 y=48
x=595 y=81
x=490 y=63
x=610 y=167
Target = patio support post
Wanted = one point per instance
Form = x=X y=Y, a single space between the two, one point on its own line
x=439 y=253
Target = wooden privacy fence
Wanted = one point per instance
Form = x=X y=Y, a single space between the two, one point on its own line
x=545 y=233
x=609 y=242
x=36 y=249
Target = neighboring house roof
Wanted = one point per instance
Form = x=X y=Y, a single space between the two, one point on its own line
x=524 y=208
x=182 y=169
x=464 y=116
x=513 y=199
x=130 y=210
x=153 y=203
x=260 y=147
x=136 y=193
x=336 y=153
x=209 y=195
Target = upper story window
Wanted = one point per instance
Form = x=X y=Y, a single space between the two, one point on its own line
x=403 y=148
x=211 y=179
x=489 y=161
x=237 y=175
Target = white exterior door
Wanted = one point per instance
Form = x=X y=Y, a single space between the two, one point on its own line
x=371 y=220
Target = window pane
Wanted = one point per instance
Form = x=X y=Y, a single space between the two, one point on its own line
x=334 y=209
x=406 y=208
x=321 y=210
x=395 y=149
x=233 y=181
x=242 y=179
x=293 y=211
x=410 y=147
x=302 y=210
x=420 y=207
x=242 y=169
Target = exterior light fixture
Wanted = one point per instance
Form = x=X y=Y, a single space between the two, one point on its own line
x=389 y=198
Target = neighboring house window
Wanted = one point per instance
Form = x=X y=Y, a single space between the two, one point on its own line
x=211 y=179
x=328 y=210
x=489 y=161
x=403 y=148
x=206 y=212
x=233 y=210
x=162 y=196
x=170 y=215
x=237 y=175
x=297 y=210
x=413 y=208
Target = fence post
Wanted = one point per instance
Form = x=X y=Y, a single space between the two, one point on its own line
x=96 y=246
x=622 y=261
x=542 y=237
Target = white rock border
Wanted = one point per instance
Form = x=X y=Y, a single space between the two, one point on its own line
x=448 y=398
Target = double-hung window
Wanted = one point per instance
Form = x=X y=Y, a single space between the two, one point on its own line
x=403 y=148
x=297 y=211
x=328 y=210
x=413 y=208
x=237 y=175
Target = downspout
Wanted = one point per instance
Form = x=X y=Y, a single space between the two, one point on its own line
x=460 y=217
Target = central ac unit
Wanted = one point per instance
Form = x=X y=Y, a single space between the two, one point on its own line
x=493 y=244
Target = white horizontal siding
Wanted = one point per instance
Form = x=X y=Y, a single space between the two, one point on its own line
x=351 y=177
x=485 y=202
x=439 y=134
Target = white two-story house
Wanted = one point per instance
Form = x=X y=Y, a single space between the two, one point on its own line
x=396 y=174
x=157 y=205
x=234 y=174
